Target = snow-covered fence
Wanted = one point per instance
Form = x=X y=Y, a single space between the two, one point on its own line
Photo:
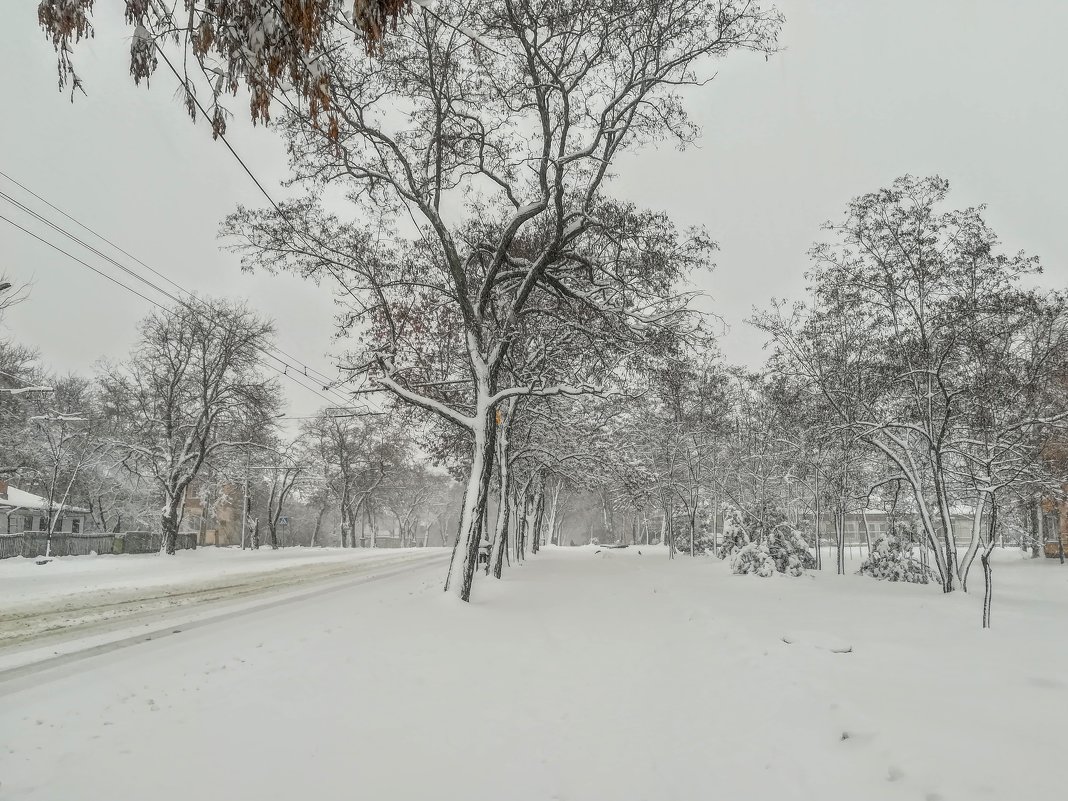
x=34 y=544
x=149 y=542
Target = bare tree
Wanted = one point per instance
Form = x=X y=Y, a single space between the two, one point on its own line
x=908 y=304
x=525 y=134
x=191 y=390
x=281 y=482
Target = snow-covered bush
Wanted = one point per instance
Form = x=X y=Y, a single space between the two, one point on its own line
x=703 y=543
x=891 y=559
x=783 y=547
x=734 y=534
x=789 y=550
x=753 y=558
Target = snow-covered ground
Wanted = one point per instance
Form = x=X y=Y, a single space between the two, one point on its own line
x=52 y=597
x=23 y=580
x=612 y=675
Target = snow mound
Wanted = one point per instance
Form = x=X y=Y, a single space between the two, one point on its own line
x=819 y=640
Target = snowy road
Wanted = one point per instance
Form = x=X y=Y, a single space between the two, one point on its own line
x=71 y=605
x=581 y=676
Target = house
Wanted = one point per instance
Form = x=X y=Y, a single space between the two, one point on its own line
x=22 y=511
x=214 y=514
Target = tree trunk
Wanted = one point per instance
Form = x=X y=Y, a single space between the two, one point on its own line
x=465 y=557
x=839 y=535
x=988 y=580
x=554 y=499
x=816 y=512
x=539 y=517
x=949 y=576
x=670 y=533
x=1038 y=533
x=867 y=531
x=693 y=528
x=500 y=535
x=318 y=526
x=521 y=529
x=169 y=524
x=609 y=523
x=504 y=480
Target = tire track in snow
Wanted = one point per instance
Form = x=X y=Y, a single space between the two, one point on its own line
x=53 y=666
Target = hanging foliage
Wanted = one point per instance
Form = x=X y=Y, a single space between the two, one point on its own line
x=265 y=46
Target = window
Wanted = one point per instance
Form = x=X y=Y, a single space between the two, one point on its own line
x=76 y=526
x=42 y=523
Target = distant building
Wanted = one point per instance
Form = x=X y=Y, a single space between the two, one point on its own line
x=878 y=524
x=1053 y=528
x=215 y=520
x=23 y=512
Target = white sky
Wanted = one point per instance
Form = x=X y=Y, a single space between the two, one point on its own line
x=864 y=91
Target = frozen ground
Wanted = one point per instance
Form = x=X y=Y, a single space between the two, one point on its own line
x=50 y=598
x=581 y=676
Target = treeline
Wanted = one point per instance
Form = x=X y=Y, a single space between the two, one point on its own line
x=923 y=375
x=194 y=412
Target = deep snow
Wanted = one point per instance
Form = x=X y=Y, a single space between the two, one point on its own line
x=580 y=676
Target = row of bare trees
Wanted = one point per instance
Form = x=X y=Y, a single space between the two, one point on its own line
x=923 y=376
x=489 y=280
x=193 y=411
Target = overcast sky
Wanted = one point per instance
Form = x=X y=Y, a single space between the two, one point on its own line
x=864 y=91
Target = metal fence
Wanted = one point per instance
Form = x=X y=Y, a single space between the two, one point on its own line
x=34 y=544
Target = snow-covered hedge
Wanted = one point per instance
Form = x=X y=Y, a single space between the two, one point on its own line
x=891 y=560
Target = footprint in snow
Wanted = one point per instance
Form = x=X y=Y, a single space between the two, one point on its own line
x=1045 y=682
x=819 y=640
x=857 y=738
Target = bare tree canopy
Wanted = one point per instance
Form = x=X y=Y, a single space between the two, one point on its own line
x=501 y=158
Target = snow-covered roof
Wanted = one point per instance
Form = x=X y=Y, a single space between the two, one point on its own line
x=20 y=499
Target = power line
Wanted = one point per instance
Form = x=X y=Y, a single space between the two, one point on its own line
x=157 y=304
x=338 y=400
x=278 y=209
x=129 y=255
x=59 y=229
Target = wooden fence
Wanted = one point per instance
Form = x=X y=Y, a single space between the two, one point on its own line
x=33 y=544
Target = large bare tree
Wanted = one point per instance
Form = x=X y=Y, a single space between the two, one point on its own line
x=476 y=169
